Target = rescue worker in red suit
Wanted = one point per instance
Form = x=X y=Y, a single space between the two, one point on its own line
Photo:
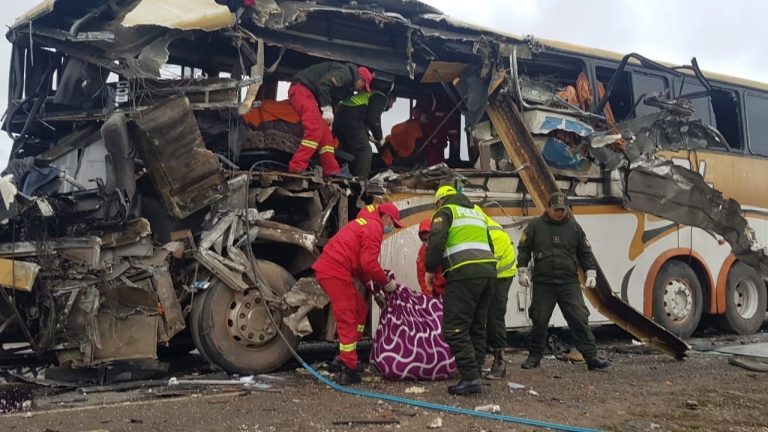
x=354 y=253
x=431 y=114
x=438 y=285
x=312 y=94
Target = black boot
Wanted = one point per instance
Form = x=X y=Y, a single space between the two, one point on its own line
x=532 y=362
x=499 y=368
x=334 y=366
x=465 y=387
x=348 y=376
x=598 y=364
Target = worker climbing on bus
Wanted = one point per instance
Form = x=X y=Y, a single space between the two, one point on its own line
x=438 y=284
x=354 y=253
x=557 y=244
x=459 y=243
x=355 y=116
x=313 y=94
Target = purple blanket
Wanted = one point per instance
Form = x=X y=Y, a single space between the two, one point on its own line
x=409 y=343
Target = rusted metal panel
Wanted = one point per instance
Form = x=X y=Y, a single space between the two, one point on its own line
x=540 y=183
x=186 y=174
x=18 y=275
x=125 y=338
x=173 y=318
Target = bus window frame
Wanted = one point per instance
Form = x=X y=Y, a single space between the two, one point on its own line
x=761 y=95
x=631 y=69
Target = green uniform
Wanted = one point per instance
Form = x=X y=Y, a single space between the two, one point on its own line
x=506 y=269
x=459 y=241
x=557 y=249
x=330 y=82
x=354 y=117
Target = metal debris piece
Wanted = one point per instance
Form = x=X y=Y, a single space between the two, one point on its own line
x=490 y=408
x=366 y=422
x=305 y=295
x=750 y=365
x=672 y=192
x=247 y=381
x=186 y=174
x=18 y=275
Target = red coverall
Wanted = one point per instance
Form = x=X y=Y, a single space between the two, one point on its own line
x=352 y=253
x=317 y=133
x=438 y=285
x=431 y=116
x=367 y=211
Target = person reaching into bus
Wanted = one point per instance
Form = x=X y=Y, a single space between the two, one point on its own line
x=460 y=244
x=355 y=116
x=438 y=284
x=556 y=242
x=506 y=270
x=354 y=253
x=312 y=94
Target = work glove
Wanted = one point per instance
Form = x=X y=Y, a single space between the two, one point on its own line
x=327 y=115
x=591 y=281
x=524 y=277
x=390 y=286
x=379 y=143
x=381 y=300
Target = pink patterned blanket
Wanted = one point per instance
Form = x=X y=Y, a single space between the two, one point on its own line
x=409 y=343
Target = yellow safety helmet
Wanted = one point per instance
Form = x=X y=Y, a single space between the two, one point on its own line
x=444 y=191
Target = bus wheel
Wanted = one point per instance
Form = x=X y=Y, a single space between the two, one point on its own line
x=195 y=325
x=677 y=298
x=234 y=328
x=745 y=301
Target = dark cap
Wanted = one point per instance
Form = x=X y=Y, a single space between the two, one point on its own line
x=558 y=200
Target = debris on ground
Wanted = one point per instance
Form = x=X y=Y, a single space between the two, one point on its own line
x=490 y=408
x=514 y=386
x=437 y=423
x=748 y=364
x=415 y=390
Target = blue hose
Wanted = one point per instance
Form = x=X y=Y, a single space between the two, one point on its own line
x=438 y=407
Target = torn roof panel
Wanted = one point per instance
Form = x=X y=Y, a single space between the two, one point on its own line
x=180 y=14
x=37 y=11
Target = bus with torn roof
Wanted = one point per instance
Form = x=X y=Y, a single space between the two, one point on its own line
x=147 y=193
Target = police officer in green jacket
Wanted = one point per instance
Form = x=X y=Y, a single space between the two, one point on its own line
x=506 y=269
x=557 y=244
x=355 y=116
x=459 y=241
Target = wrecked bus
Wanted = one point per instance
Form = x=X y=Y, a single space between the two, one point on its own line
x=146 y=205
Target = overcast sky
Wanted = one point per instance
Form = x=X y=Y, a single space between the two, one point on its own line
x=725 y=36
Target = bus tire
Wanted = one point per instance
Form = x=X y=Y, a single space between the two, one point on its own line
x=234 y=330
x=745 y=301
x=677 y=298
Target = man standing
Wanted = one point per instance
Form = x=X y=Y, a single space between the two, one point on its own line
x=506 y=270
x=459 y=242
x=354 y=118
x=557 y=244
x=312 y=94
x=354 y=253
